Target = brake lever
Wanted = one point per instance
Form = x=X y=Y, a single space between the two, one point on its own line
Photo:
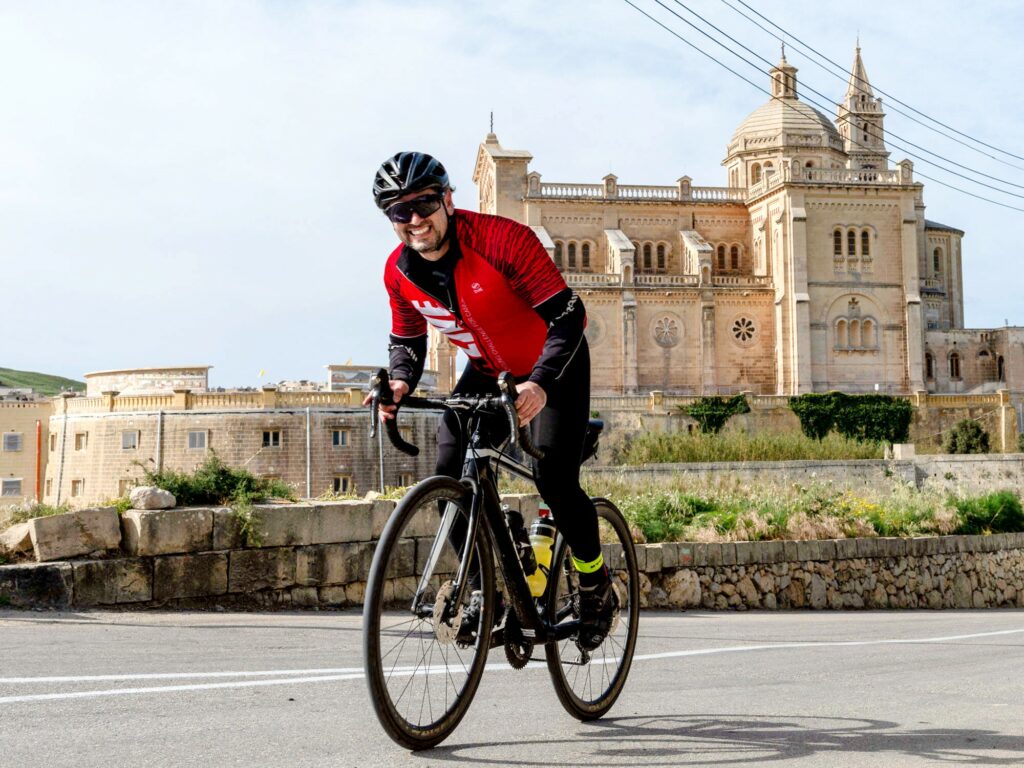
x=520 y=435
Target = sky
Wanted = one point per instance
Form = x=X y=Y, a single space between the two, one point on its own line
x=189 y=182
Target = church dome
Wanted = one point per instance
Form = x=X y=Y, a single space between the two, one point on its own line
x=786 y=116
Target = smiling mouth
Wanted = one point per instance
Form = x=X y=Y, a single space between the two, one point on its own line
x=419 y=231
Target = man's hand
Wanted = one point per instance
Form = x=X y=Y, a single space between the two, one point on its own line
x=531 y=401
x=399 y=389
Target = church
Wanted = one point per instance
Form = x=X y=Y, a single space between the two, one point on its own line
x=813 y=269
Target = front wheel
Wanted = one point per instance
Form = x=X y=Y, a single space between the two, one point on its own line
x=588 y=683
x=425 y=652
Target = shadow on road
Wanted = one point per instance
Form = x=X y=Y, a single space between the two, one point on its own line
x=741 y=739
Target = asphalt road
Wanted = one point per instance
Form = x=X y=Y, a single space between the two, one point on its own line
x=730 y=689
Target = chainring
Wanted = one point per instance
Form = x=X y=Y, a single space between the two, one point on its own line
x=446 y=631
x=518 y=653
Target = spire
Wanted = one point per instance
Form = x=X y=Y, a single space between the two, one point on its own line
x=859 y=84
x=783 y=77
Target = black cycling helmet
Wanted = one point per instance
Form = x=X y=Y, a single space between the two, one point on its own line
x=404 y=173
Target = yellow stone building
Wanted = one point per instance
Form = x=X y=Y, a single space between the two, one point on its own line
x=23 y=430
x=814 y=269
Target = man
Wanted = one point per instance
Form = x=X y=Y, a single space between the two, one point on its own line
x=487 y=283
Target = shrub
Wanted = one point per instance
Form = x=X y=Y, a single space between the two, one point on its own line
x=681 y=447
x=966 y=437
x=997 y=512
x=878 y=418
x=1020 y=442
x=214 y=482
x=31 y=511
x=711 y=413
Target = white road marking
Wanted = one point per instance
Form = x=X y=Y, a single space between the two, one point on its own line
x=285 y=676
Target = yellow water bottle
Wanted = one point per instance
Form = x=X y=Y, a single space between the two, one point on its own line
x=542 y=539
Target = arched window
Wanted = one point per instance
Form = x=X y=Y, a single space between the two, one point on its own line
x=1000 y=369
x=856 y=342
x=937 y=260
x=585 y=253
x=809 y=164
x=721 y=257
x=755 y=173
x=837 y=243
x=734 y=257
x=868 y=335
x=954 y=366
x=661 y=257
x=768 y=168
x=865 y=243
x=572 y=255
x=558 y=253
x=929 y=366
x=842 y=337
x=647 y=257
x=851 y=243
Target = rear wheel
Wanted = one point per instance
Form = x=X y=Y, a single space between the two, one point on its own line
x=588 y=683
x=425 y=655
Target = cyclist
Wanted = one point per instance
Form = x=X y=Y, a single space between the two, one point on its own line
x=487 y=283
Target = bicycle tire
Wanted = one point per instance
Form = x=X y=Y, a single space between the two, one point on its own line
x=402 y=654
x=575 y=687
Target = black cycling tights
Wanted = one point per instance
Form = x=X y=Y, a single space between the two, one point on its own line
x=559 y=430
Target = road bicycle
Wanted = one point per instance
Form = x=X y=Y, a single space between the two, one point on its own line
x=433 y=608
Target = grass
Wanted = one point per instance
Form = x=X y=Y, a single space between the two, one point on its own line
x=41 y=382
x=28 y=512
x=683 y=447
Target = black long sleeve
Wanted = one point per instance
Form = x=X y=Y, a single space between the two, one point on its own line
x=566 y=317
x=407 y=358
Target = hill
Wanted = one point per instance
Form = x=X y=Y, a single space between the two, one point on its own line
x=40 y=382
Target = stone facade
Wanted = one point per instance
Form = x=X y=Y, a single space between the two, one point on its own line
x=314 y=441
x=144 y=381
x=22 y=461
x=814 y=269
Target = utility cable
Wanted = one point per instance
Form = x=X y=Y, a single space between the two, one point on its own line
x=788 y=36
x=847 y=119
x=764 y=90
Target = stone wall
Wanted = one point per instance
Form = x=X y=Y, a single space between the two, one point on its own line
x=318 y=555
x=955 y=473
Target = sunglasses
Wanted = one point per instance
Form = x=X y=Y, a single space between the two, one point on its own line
x=424 y=206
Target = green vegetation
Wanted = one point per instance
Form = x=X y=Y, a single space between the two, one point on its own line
x=214 y=482
x=25 y=513
x=122 y=504
x=680 y=447
x=1020 y=442
x=711 y=413
x=966 y=437
x=40 y=382
x=869 y=418
x=998 y=512
x=248 y=524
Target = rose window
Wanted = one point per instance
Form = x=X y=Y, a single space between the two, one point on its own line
x=743 y=329
x=666 y=332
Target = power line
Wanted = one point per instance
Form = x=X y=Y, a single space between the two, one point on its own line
x=845 y=118
x=792 y=37
x=764 y=90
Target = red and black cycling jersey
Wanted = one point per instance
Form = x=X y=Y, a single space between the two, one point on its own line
x=495 y=294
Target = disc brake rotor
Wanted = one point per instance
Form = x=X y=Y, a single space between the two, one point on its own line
x=446 y=630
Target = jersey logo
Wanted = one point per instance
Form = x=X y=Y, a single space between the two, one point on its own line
x=477 y=288
x=448 y=324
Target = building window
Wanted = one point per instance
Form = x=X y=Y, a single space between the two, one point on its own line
x=661 y=257
x=558 y=253
x=755 y=173
x=130 y=440
x=1000 y=369
x=837 y=243
x=49 y=487
x=339 y=438
x=585 y=253
x=77 y=487
x=53 y=442
x=572 y=255
x=405 y=479
x=721 y=258
x=12 y=442
x=954 y=366
x=851 y=243
x=343 y=484
x=81 y=441
x=10 y=487
x=647 y=257
x=124 y=485
x=929 y=366
x=937 y=261
x=734 y=257
x=197 y=439
x=406 y=433
x=865 y=243
x=271 y=438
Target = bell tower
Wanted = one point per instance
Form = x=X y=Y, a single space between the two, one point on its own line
x=861 y=121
